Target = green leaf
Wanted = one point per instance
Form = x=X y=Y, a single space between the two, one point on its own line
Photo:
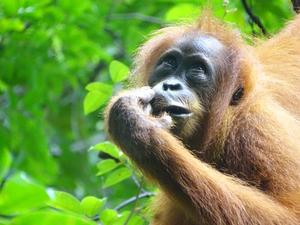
x=3 y=86
x=134 y=219
x=98 y=86
x=98 y=95
x=182 y=12
x=108 y=216
x=64 y=201
x=118 y=71
x=11 y=25
x=91 y=206
x=51 y=218
x=94 y=100
x=105 y=166
x=108 y=148
x=21 y=194
x=5 y=162
x=117 y=176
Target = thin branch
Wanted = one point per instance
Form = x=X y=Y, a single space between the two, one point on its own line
x=296 y=5
x=133 y=199
x=134 y=204
x=253 y=17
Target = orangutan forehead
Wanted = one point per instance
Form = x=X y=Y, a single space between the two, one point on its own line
x=193 y=43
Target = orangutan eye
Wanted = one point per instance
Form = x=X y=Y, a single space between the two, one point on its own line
x=198 y=69
x=169 y=61
x=238 y=94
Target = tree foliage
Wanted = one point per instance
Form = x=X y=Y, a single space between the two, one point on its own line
x=60 y=62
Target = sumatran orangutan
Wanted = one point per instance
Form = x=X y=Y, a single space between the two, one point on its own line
x=216 y=124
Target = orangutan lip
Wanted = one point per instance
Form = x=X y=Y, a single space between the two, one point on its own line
x=178 y=111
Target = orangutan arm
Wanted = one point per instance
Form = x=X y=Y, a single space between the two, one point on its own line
x=201 y=190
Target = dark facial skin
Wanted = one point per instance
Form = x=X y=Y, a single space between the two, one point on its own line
x=184 y=78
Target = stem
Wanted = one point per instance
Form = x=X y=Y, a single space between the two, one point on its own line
x=253 y=17
x=133 y=199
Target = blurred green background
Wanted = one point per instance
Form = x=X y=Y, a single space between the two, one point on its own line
x=60 y=62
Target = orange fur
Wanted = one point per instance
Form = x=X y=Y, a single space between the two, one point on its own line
x=245 y=167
